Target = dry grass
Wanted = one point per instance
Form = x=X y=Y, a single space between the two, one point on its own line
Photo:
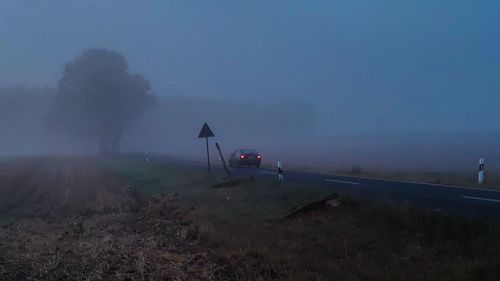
x=67 y=218
x=247 y=226
x=54 y=185
x=168 y=223
x=351 y=240
x=151 y=244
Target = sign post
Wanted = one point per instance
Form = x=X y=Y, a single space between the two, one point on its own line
x=221 y=156
x=206 y=133
x=480 y=178
x=280 y=173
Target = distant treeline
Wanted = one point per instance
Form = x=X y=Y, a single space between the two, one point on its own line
x=170 y=127
x=23 y=112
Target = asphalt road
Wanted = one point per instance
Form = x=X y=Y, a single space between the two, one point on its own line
x=472 y=201
x=453 y=199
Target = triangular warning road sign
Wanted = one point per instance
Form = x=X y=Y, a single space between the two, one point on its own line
x=206 y=132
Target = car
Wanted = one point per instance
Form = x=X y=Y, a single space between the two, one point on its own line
x=245 y=157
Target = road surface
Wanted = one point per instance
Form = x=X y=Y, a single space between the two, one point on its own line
x=473 y=201
x=454 y=199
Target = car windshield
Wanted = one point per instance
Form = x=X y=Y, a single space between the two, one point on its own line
x=248 y=151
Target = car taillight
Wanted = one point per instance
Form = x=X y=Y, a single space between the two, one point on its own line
x=258 y=156
x=242 y=156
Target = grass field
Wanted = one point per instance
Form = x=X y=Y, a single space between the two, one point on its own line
x=74 y=218
x=252 y=201
x=251 y=226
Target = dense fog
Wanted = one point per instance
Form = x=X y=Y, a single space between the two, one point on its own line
x=386 y=85
x=285 y=131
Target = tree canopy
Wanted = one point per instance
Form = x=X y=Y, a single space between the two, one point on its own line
x=97 y=96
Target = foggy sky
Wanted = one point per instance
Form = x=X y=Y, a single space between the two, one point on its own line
x=367 y=65
x=369 y=68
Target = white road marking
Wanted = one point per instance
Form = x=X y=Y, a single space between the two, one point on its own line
x=482 y=199
x=348 y=182
x=421 y=183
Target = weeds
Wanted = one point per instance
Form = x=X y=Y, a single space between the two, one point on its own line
x=190 y=231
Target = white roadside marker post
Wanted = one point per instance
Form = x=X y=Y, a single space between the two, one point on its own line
x=146 y=157
x=280 y=173
x=480 y=178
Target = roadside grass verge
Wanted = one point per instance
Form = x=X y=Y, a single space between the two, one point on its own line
x=247 y=202
x=361 y=241
x=349 y=240
x=152 y=179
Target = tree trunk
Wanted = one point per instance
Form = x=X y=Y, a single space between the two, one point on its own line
x=103 y=145
x=115 y=146
x=115 y=136
x=110 y=141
